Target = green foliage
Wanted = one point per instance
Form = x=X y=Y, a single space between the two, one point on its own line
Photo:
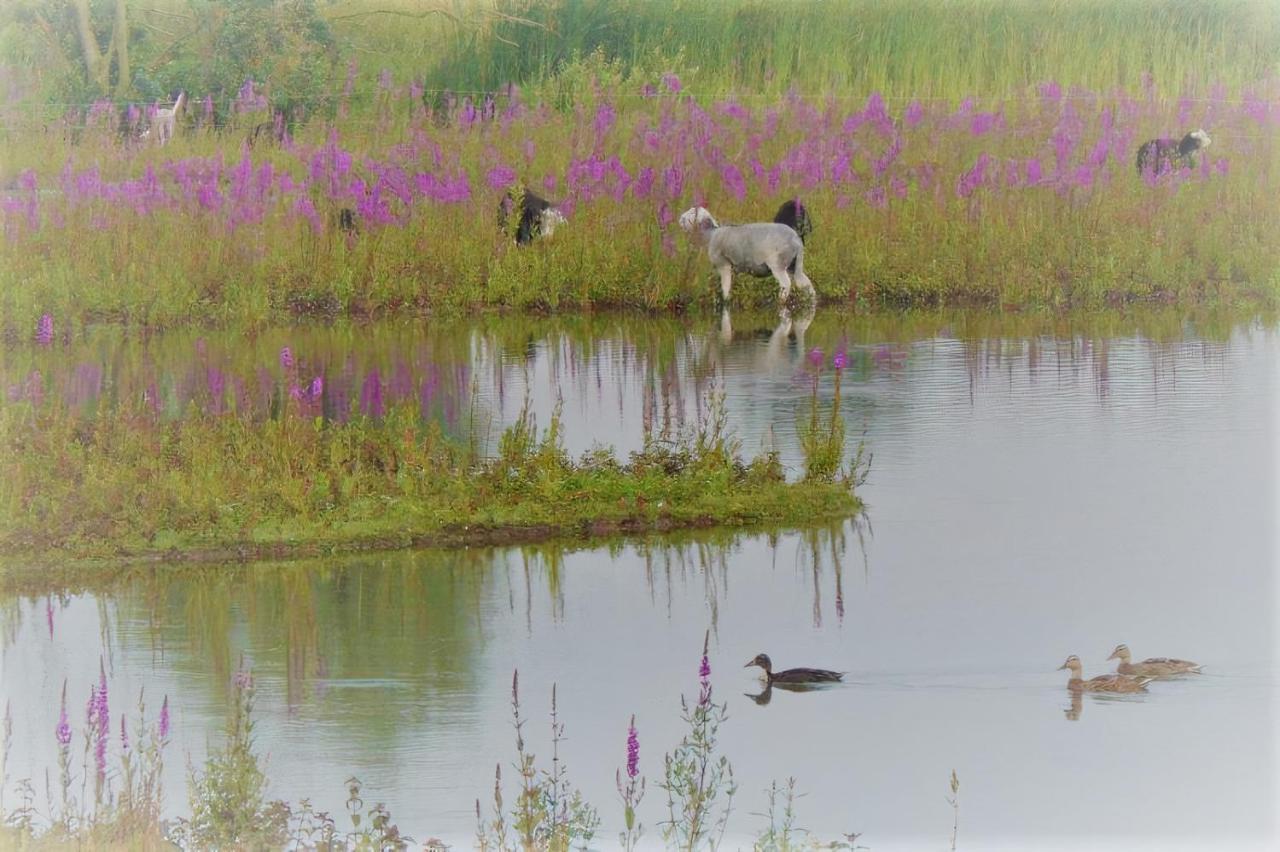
x=822 y=439
x=228 y=799
x=898 y=47
x=284 y=46
x=698 y=781
x=548 y=813
x=127 y=483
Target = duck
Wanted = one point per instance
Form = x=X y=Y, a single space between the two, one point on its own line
x=1152 y=667
x=1102 y=683
x=793 y=675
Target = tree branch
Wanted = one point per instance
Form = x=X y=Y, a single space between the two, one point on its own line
x=93 y=60
x=120 y=35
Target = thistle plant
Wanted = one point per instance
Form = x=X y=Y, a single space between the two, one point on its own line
x=699 y=783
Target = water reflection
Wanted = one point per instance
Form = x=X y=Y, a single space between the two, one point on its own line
x=1034 y=477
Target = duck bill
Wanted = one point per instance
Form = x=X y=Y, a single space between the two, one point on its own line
x=1061 y=667
x=750 y=664
x=1113 y=656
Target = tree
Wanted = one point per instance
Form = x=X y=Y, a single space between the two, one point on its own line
x=97 y=62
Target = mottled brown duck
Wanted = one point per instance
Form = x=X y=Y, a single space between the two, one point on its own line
x=1101 y=683
x=1152 y=667
x=793 y=675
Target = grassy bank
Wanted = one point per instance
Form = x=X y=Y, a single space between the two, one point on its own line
x=128 y=484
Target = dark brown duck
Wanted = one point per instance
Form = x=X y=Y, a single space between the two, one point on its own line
x=793 y=675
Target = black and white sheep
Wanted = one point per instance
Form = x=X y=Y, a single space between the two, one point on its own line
x=538 y=216
x=1157 y=156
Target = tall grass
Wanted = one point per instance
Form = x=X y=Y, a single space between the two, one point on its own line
x=943 y=48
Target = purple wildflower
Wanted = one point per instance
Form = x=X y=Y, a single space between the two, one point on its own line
x=44 y=330
x=671 y=83
x=243 y=679
x=63 y=731
x=815 y=357
x=286 y=358
x=501 y=177
x=704 y=669
x=164 y=719
x=914 y=114
x=317 y=388
x=973 y=177
x=384 y=79
x=633 y=750
x=840 y=360
x=124 y=734
x=371 y=394
x=1034 y=172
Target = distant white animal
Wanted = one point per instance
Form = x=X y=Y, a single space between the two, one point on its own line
x=164 y=121
x=759 y=248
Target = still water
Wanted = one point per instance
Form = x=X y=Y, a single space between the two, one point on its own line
x=1038 y=488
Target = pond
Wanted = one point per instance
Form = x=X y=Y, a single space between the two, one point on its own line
x=1039 y=487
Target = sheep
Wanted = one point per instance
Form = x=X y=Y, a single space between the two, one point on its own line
x=164 y=122
x=538 y=216
x=759 y=248
x=1159 y=155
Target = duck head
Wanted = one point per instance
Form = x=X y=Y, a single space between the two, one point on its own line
x=763 y=661
x=1120 y=653
x=1073 y=663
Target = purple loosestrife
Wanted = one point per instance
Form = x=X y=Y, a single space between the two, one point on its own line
x=286 y=358
x=501 y=177
x=671 y=83
x=1035 y=173
x=44 y=330
x=815 y=358
x=914 y=113
x=704 y=679
x=163 y=727
x=63 y=731
x=371 y=395
x=124 y=733
x=633 y=750
x=840 y=359
x=973 y=177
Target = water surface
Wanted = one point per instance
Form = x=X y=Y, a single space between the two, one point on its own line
x=1038 y=488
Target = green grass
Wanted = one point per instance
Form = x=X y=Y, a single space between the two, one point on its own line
x=944 y=48
x=216 y=487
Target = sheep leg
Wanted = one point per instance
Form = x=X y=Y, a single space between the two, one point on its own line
x=802 y=279
x=779 y=271
x=726 y=282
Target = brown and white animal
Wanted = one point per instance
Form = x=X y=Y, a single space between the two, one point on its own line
x=1153 y=666
x=1101 y=683
x=758 y=248
x=1157 y=156
x=164 y=121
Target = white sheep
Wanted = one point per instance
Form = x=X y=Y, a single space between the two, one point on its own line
x=759 y=248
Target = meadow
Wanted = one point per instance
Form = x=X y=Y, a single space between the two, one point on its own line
x=1019 y=192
